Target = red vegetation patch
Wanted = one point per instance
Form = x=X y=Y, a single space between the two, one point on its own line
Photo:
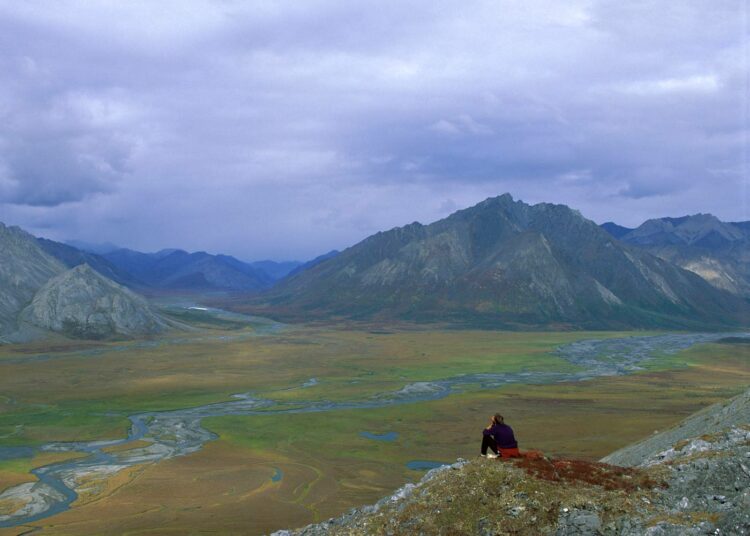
x=609 y=477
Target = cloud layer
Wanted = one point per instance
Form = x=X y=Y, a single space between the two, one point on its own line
x=284 y=129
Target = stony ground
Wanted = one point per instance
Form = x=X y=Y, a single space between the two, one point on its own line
x=691 y=486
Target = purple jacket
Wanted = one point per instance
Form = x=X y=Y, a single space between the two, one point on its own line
x=503 y=436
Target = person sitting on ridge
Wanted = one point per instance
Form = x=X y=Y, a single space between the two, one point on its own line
x=499 y=435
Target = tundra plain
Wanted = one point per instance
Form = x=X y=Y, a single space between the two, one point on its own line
x=273 y=470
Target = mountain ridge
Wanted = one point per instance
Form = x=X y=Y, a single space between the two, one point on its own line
x=717 y=251
x=504 y=262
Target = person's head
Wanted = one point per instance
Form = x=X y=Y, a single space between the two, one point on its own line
x=498 y=419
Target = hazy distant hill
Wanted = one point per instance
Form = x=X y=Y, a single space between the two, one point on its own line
x=717 y=251
x=178 y=269
x=99 y=248
x=504 y=262
x=84 y=304
x=314 y=262
x=276 y=270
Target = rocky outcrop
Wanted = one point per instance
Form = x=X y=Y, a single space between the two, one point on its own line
x=691 y=480
x=82 y=303
x=24 y=268
x=707 y=487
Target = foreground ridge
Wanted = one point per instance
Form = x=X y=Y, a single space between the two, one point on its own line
x=684 y=484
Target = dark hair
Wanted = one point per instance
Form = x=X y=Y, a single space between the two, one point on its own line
x=499 y=418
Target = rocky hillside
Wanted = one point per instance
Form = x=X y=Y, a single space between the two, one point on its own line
x=710 y=421
x=24 y=268
x=717 y=251
x=677 y=484
x=504 y=263
x=82 y=303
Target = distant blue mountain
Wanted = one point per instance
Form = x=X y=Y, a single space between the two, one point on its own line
x=180 y=270
x=615 y=230
x=71 y=257
x=276 y=270
x=88 y=247
x=176 y=269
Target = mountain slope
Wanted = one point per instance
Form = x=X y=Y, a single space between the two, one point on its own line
x=24 y=268
x=504 y=262
x=314 y=262
x=717 y=251
x=82 y=303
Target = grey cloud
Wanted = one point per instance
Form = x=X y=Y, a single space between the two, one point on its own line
x=58 y=144
x=290 y=128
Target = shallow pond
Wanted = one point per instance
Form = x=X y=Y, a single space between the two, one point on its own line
x=387 y=436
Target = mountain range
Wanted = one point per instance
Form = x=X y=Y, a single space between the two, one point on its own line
x=504 y=263
x=501 y=263
x=717 y=251
x=173 y=269
x=178 y=269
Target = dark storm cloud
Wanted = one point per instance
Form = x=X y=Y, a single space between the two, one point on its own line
x=288 y=128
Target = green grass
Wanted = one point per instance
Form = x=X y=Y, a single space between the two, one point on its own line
x=72 y=397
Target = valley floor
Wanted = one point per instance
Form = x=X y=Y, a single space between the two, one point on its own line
x=279 y=470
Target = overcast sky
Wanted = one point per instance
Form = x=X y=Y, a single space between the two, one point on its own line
x=283 y=129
